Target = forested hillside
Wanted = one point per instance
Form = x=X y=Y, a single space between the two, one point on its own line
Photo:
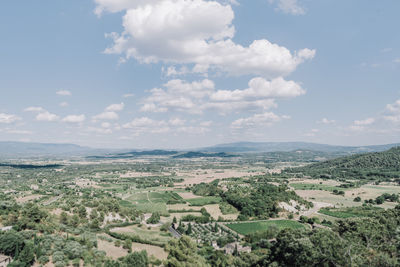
x=373 y=166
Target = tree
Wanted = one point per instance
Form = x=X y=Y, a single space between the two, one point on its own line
x=73 y=249
x=182 y=252
x=137 y=259
x=95 y=224
x=74 y=220
x=27 y=255
x=216 y=228
x=64 y=218
x=155 y=218
x=189 y=229
x=82 y=212
x=127 y=244
x=11 y=243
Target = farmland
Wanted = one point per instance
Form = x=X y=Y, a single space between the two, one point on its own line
x=113 y=208
x=251 y=227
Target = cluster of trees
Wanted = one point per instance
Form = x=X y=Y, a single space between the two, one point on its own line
x=155 y=218
x=204 y=218
x=260 y=200
x=382 y=198
x=382 y=166
x=366 y=241
x=210 y=189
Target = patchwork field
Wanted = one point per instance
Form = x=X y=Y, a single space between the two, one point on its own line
x=110 y=249
x=153 y=234
x=251 y=227
x=365 y=192
x=202 y=201
x=155 y=251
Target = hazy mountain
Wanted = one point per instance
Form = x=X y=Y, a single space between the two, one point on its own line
x=25 y=149
x=292 y=146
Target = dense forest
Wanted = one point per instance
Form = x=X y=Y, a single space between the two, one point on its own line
x=383 y=166
x=251 y=198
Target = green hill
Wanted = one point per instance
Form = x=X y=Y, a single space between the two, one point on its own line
x=372 y=166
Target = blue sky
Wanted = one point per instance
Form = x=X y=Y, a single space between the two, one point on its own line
x=191 y=73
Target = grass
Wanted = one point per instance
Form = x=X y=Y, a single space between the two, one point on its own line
x=226 y=208
x=126 y=204
x=153 y=207
x=201 y=201
x=153 y=235
x=298 y=186
x=251 y=227
x=153 y=201
x=350 y=212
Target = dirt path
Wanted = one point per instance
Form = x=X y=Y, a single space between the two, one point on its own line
x=147 y=194
x=315 y=209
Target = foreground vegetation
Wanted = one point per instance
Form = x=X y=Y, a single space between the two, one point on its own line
x=213 y=211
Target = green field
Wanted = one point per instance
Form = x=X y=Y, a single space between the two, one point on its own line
x=299 y=186
x=201 y=201
x=251 y=227
x=154 y=235
x=350 y=212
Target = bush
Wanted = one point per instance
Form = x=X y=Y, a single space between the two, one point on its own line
x=155 y=218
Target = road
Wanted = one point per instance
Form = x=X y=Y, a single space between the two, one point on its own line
x=174 y=232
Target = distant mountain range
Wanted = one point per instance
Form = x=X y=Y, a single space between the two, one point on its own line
x=26 y=149
x=293 y=146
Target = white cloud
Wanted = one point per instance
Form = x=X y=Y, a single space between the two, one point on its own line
x=42 y=114
x=197 y=96
x=367 y=121
x=176 y=122
x=34 y=109
x=8 y=118
x=261 y=88
x=392 y=112
x=147 y=125
x=258 y=120
x=115 y=107
x=179 y=95
x=64 y=104
x=394 y=108
x=326 y=121
x=107 y=115
x=197 y=32
x=289 y=6
x=173 y=71
x=64 y=93
x=47 y=116
x=22 y=132
x=74 y=118
x=143 y=122
x=99 y=130
x=106 y=125
x=193 y=130
x=237 y=106
x=397 y=60
x=119 y=5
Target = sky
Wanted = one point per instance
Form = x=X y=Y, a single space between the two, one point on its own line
x=193 y=73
